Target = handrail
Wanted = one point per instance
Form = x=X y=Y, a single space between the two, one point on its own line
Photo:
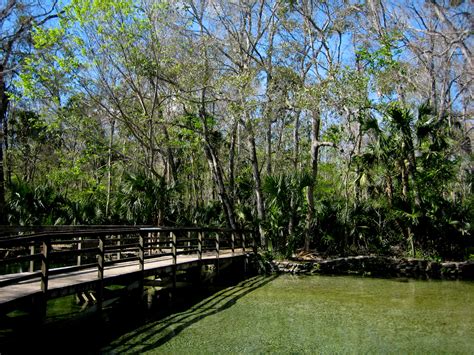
x=5 y=241
x=40 y=237
x=7 y=230
x=194 y=229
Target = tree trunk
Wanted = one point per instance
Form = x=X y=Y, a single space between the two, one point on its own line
x=151 y=134
x=216 y=170
x=404 y=177
x=233 y=139
x=296 y=139
x=269 y=145
x=3 y=218
x=172 y=168
x=358 y=168
x=310 y=216
x=293 y=205
x=411 y=166
x=389 y=189
x=269 y=90
x=433 y=95
x=258 y=188
x=3 y=112
x=7 y=158
x=109 y=168
x=218 y=177
x=412 y=173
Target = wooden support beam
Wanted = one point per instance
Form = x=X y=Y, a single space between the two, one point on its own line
x=42 y=307
x=200 y=238
x=100 y=269
x=141 y=260
x=159 y=239
x=141 y=252
x=79 y=247
x=175 y=256
x=32 y=262
x=45 y=266
x=101 y=258
x=150 y=239
x=119 y=242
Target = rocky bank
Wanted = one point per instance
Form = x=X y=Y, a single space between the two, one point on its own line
x=378 y=266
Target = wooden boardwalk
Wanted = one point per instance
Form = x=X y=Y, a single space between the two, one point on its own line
x=122 y=255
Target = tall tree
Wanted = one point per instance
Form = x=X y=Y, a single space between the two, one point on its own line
x=17 y=19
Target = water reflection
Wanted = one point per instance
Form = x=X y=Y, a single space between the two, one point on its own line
x=159 y=332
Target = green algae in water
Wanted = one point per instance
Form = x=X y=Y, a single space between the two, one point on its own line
x=317 y=314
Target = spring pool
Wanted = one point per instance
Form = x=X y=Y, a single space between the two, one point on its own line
x=316 y=314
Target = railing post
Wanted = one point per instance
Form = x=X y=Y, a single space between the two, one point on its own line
x=100 y=269
x=141 y=251
x=141 y=260
x=32 y=262
x=101 y=258
x=200 y=235
x=151 y=239
x=200 y=245
x=159 y=239
x=119 y=242
x=44 y=276
x=79 y=247
x=175 y=256
x=45 y=266
x=173 y=247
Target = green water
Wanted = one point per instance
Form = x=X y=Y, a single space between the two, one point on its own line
x=317 y=314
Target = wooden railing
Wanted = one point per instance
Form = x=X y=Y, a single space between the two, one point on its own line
x=51 y=253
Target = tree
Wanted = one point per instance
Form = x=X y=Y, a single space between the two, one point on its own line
x=219 y=112
x=17 y=19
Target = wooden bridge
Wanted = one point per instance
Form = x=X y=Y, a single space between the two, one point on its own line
x=46 y=265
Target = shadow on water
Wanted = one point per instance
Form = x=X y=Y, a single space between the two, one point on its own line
x=157 y=333
x=124 y=327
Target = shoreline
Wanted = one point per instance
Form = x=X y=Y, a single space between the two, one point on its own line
x=377 y=266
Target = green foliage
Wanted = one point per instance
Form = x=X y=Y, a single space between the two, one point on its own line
x=384 y=56
x=285 y=207
x=211 y=214
x=143 y=199
x=130 y=112
x=29 y=205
